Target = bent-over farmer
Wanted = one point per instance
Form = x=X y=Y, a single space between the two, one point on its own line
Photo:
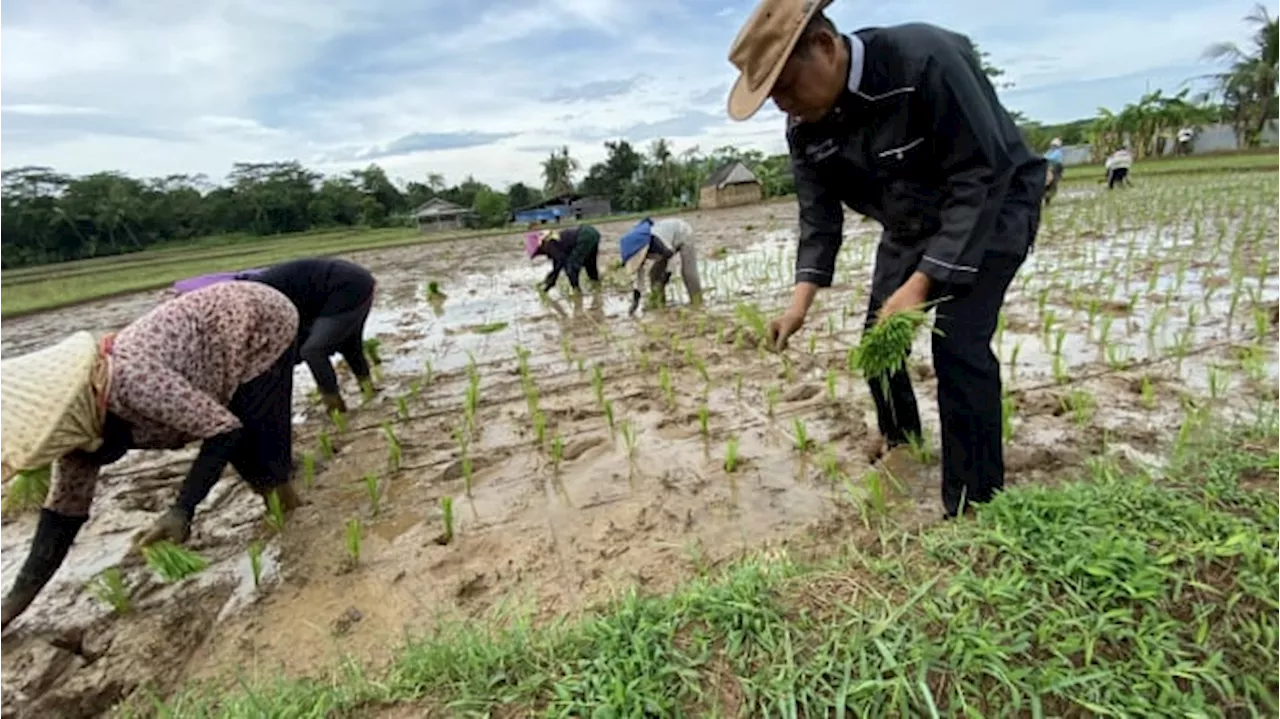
x=570 y=250
x=661 y=240
x=1117 y=167
x=214 y=365
x=333 y=298
x=901 y=125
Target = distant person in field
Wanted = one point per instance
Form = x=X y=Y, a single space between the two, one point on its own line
x=570 y=250
x=660 y=241
x=333 y=298
x=1185 y=136
x=213 y=366
x=1117 y=167
x=1054 y=174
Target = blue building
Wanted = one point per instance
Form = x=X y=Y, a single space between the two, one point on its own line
x=565 y=208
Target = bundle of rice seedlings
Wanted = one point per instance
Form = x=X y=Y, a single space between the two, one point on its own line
x=883 y=349
x=171 y=562
x=26 y=491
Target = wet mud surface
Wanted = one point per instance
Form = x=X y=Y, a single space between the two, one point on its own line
x=1135 y=309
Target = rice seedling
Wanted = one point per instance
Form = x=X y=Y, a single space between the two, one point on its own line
x=415 y=389
x=629 y=438
x=731 y=455
x=1007 y=409
x=831 y=385
x=703 y=417
x=1060 y=375
x=1117 y=356
x=326 y=445
x=608 y=415
x=877 y=500
x=393 y=448
x=108 y=587
x=171 y=562
x=557 y=453
x=434 y=294
x=801 y=435
x=1219 y=381
x=1013 y=359
x=668 y=391
x=428 y=373
x=371 y=346
x=354 y=539
x=275 y=512
x=1059 y=338
x=339 y=420
x=308 y=470
x=771 y=397
x=920 y=446
x=402 y=407
x=27 y=491
x=566 y=349
x=831 y=464
x=539 y=427
x=813 y=344
x=597 y=383
x=1080 y=403
x=255 y=562
x=446 y=518
x=489 y=328
x=1104 y=329
x=373 y=489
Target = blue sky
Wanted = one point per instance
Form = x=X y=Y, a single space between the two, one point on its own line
x=488 y=88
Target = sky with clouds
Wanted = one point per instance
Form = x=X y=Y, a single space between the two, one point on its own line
x=488 y=88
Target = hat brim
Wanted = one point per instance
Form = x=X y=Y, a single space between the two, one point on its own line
x=745 y=102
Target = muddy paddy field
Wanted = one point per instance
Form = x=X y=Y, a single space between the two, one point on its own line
x=573 y=453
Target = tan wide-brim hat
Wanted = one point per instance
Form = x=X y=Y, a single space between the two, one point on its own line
x=49 y=403
x=762 y=48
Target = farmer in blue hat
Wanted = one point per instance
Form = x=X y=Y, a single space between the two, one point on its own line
x=660 y=241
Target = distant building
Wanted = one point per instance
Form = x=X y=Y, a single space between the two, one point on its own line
x=439 y=215
x=733 y=184
x=565 y=208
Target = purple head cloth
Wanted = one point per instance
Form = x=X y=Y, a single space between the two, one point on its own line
x=194 y=283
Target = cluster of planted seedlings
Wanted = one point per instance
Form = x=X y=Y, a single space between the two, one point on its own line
x=171 y=562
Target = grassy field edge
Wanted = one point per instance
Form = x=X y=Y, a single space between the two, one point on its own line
x=1126 y=591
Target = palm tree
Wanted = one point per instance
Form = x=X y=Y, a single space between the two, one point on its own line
x=557 y=172
x=1249 y=86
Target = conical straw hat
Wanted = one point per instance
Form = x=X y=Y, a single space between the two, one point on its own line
x=48 y=403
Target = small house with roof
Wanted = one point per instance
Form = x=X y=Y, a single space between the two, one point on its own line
x=733 y=184
x=440 y=215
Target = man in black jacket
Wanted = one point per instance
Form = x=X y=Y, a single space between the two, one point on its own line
x=901 y=125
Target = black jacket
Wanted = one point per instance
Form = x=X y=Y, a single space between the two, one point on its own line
x=919 y=142
x=320 y=287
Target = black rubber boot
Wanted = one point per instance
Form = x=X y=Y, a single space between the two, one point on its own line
x=54 y=535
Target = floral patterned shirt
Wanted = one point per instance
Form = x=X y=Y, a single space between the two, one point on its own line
x=175 y=369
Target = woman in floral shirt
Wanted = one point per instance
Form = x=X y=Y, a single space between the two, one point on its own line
x=214 y=365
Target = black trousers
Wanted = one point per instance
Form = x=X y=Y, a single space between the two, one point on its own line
x=264 y=455
x=1117 y=176
x=342 y=333
x=969 y=389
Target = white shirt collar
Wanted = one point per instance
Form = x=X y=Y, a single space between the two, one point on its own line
x=857 y=58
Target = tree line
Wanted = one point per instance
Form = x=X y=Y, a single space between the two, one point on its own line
x=47 y=216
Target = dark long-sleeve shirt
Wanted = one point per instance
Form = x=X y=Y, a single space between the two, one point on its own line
x=919 y=142
x=320 y=287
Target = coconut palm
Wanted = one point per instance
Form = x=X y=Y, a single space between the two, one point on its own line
x=1248 y=87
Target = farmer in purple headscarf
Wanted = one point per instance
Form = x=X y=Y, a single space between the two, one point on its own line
x=333 y=298
x=570 y=250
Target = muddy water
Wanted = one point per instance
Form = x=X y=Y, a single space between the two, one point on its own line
x=552 y=527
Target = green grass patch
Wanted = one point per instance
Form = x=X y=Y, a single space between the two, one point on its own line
x=1117 y=594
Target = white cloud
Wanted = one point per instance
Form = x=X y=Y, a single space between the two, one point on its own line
x=150 y=87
